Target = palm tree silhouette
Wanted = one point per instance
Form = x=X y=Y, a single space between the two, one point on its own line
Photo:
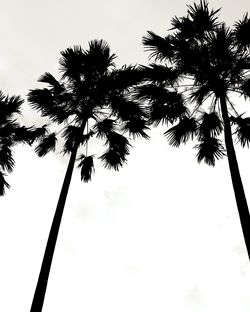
x=11 y=134
x=197 y=68
x=93 y=99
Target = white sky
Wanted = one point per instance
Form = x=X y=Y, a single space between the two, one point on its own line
x=161 y=235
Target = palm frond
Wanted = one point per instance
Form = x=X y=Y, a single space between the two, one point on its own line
x=55 y=85
x=10 y=105
x=71 y=63
x=159 y=73
x=242 y=31
x=210 y=149
x=136 y=128
x=7 y=162
x=71 y=134
x=242 y=130
x=181 y=132
x=203 y=18
x=112 y=159
x=104 y=127
x=47 y=144
x=245 y=87
x=97 y=59
x=45 y=102
x=124 y=78
x=87 y=167
x=172 y=109
x=210 y=125
x=159 y=48
x=3 y=184
x=119 y=143
x=127 y=109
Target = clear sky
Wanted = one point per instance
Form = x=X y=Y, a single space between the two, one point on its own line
x=161 y=235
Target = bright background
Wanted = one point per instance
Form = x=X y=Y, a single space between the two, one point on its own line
x=161 y=235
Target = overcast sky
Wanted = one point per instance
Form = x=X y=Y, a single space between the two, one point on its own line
x=161 y=235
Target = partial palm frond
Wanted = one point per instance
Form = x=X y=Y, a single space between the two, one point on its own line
x=10 y=105
x=7 y=162
x=97 y=59
x=160 y=48
x=104 y=127
x=245 y=87
x=45 y=102
x=3 y=184
x=87 y=167
x=210 y=125
x=127 y=109
x=242 y=31
x=124 y=78
x=119 y=143
x=47 y=144
x=112 y=159
x=71 y=134
x=200 y=94
x=203 y=18
x=210 y=149
x=71 y=63
x=160 y=73
x=181 y=132
x=136 y=127
x=55 y=85
x=151 y=92
x=242 y=130
x=171 y=110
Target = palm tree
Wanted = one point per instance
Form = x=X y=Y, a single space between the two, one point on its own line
x=197 y=68
x=11 y=134
x=93 y=99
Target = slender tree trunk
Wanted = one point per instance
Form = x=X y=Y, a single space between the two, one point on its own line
x=235 y=176
x=41 y=286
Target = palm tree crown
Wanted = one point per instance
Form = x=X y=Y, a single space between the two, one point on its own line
x=92 y=99
x=198 y=66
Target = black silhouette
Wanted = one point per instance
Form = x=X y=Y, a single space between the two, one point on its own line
x=197 y=67
x=93 y=99
x=11 y=134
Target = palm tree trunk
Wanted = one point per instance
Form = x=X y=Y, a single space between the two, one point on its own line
x=41 y=286
x=235 y=176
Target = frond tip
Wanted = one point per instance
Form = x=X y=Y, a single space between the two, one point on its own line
x=87 y=167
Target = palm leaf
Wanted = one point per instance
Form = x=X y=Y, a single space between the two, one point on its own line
x=6 y=158
x=87 y=167
x=47 y=144
x=160 y=48
x=71 y=63
x=3 y=184
x=71 y=134
x=243 y=130
x=180 y=133
x=118 y=143
x=104 y=127
x=210 y=124
x=112 y=159
x=51 y=80
x=242 y=31
x=203 y=18
x=136 y=128
x=159 y=73
x=172 y=109
x=209 y=150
